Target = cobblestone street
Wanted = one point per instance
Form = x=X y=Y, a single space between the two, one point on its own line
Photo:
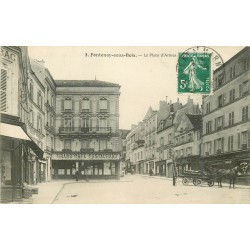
x=136 y=189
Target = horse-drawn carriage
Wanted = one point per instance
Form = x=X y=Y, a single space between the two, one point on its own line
x=210 y=175
x=197 y=178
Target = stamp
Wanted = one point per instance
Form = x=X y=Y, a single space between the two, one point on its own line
x=195 y=67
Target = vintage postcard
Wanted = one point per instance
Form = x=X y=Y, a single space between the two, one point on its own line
x=125 y=125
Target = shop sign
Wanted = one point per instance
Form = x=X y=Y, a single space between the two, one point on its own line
x=85 y=156
x=6 y=54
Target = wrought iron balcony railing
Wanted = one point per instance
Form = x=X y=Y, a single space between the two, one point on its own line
x=88 y=130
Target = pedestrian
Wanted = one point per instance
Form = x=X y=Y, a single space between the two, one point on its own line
x=77 y=175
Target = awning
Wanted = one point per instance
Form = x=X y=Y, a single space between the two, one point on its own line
x=14 y=131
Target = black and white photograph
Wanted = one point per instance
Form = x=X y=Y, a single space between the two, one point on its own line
x=121 y=125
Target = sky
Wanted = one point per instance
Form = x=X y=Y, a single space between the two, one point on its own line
x=145 y=79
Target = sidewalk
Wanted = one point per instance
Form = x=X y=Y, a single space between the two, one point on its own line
x=48 y=191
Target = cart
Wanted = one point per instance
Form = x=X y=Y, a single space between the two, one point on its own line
x=197 y=178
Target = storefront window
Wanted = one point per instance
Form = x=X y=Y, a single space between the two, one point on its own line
x=5 y=167
x=68 y=171
x=61 y=172
x=107 y=168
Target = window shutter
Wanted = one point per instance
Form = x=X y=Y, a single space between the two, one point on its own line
x=240 y=89
x=97 y=124
x=222 y=144
x=90 y=122
x=108 y=123
x=228 y=143
x=80 y=105
x=224 y=99
x=37 y=125
x=90 y=105
x=73 y=122
x=215 y=146
x=62 y=105
x=239 y=146
x=62 y=122
x=97 y=106
x=223 y=119
x=108 y=105
x=215 y=124
x=73 y=105
x=3 y=91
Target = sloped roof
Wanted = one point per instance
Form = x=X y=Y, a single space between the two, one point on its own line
x=196 y=121
x=84 y=83
x=123 y=133
x=149 y=113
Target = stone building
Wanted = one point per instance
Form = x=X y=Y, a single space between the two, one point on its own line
x=15 y=144
x=187 y=142
x=226 y=120
x=42 y=115
x=150 y=121
x=87 y=129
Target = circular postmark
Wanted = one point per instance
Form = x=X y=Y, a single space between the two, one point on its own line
x=195 y=69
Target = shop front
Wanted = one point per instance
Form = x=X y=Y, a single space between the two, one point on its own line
x=14 y=165
x=229 y=161
x=86 y=165
x=160 y=168
x=188 y=163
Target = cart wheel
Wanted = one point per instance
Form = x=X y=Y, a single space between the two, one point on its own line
x=198 y=182
x=185 y=181
x=210 y=183
x=194 y=181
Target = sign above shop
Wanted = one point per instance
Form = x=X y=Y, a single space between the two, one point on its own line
x=8 y=55
x=85 y=156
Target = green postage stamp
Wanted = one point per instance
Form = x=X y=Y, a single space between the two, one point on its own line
x=194 y=73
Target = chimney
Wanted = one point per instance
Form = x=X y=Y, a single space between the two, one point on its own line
x=178 y=100
x=42 y=62
x=166 y=98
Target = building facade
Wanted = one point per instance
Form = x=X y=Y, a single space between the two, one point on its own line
x=187 y=142
x=15 y=144
x=150 y=122
x=87 y=130
x=226 y=121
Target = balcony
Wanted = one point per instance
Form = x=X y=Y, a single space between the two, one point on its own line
x=84 y=131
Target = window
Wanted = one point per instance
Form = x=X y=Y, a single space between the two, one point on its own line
x=52 y=142
x=102 y=144
x=67 y=144
x=182 y=152
x=232 y=72
x=246 y=64
x=31 y=118
x=85 y=104
x=3 y=91
x=189 y=137
x=68 y=122
x=231 y=119
x=232 y=95
x=170 y=138
x=84 y=144
x=40 y=100
x=162 y=141
x=220 y=101
x=208 y=127
x=61 y=172
x=103 y=104
x=219 y=123
x=68 y=104
x=220 y=80
x=85 y=123
x=39 y=124
x=244 y=88
x=189 y=151
x=161 y=155
x=208 y=107
x=208 y=148
x=230 y=143
x=245 y=113
x=219 y=145
x=31 y=92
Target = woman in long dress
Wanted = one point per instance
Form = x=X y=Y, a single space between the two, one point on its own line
x=191 y=71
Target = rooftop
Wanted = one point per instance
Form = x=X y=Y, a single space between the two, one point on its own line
x=196 y=120
x=84 y=83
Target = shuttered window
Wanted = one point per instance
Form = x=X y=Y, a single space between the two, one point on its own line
x=3 y=91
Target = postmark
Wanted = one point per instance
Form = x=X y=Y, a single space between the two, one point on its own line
x=195 y=70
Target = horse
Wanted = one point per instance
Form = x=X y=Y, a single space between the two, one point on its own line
x=230 y=174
